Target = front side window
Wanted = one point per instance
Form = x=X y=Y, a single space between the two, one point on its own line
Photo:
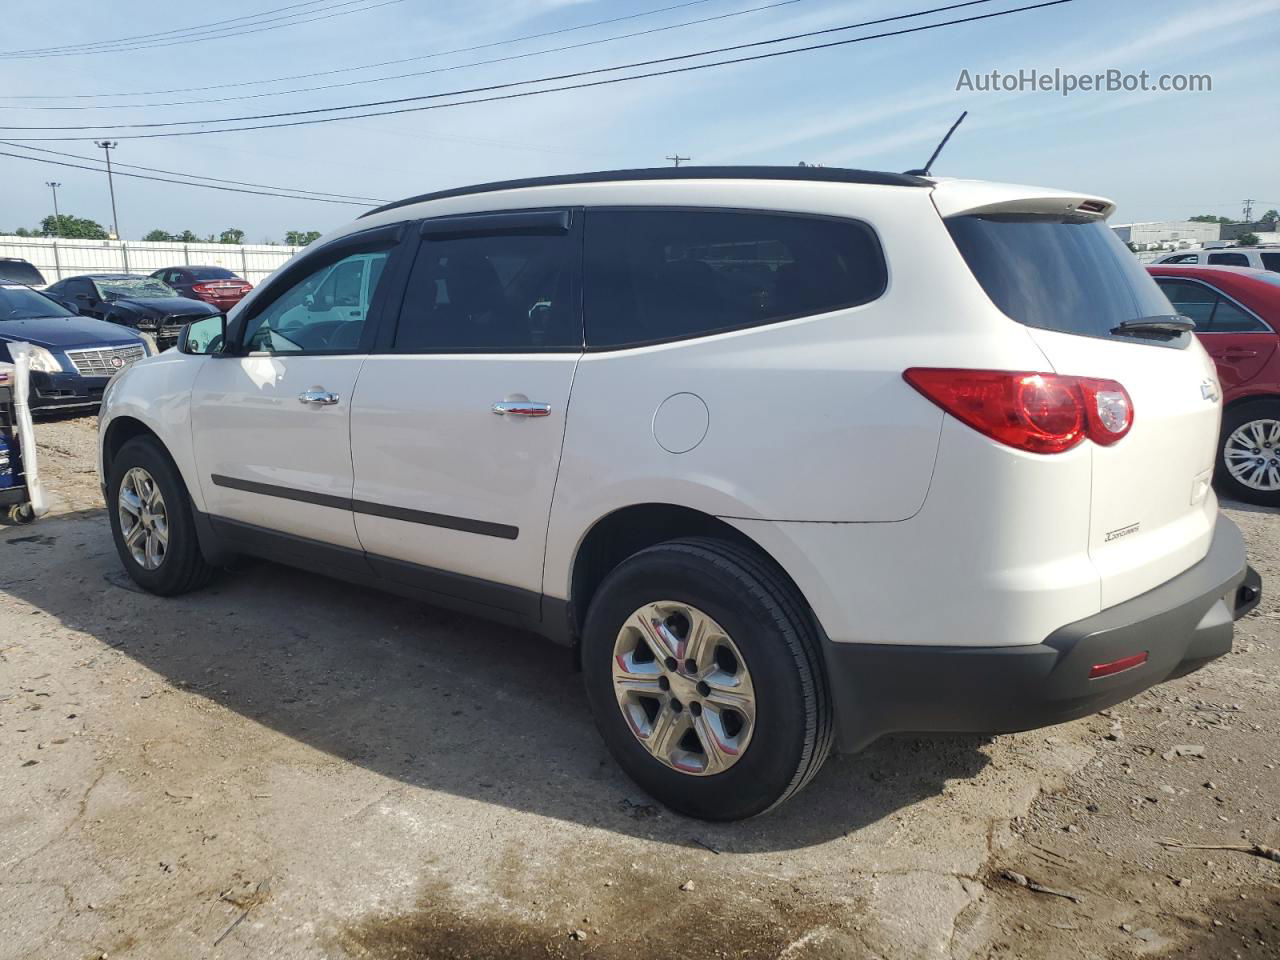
x=654 y=275
x=1229 y=259
x=1270 y=261
x=503 y=292
x=324 y=312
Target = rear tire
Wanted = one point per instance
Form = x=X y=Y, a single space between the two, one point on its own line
x=163 y=554
x=763 y=642
x=1250 y=432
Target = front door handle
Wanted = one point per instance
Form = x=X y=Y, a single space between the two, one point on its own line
x=1233 y=354
x=521 y=408
x=318 y=396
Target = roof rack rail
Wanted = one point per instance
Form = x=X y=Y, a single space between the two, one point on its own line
x=822 y=174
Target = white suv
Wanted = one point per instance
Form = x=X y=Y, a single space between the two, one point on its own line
x=794 y=457
x=1260 y=258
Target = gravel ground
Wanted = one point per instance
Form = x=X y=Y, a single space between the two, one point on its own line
x=284 y=766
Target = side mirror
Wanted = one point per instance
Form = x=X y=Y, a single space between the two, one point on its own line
x=205 y=336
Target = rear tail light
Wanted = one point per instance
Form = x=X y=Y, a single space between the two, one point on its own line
x=1036 y=412
x=200 y=288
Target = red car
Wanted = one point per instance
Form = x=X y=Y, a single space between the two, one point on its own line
x=1237 y=314
x=215 y=285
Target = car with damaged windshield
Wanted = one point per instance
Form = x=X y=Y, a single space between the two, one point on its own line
x=791 y=458
x=142 y=303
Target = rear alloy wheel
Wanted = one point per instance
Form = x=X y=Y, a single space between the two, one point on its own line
x=705 y=677
x=1249 y=453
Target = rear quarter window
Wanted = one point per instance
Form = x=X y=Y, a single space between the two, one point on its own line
x=1057 y=273
x=659 y=275
x=1270 y=261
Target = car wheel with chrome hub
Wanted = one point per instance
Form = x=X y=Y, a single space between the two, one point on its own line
x=1249 y=453
x=705 y=678
x=152 y=520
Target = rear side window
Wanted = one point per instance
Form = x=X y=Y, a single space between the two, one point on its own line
x=1229 y=259
x=1212 y=312
x=1270 y=261
x=501 y=292
x=1057 y=274
x=655 y=275
x=20 y=271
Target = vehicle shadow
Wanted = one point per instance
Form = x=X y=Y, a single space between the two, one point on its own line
x=429 y=697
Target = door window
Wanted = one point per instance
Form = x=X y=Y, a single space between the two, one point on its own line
x=1212 y=312
x=324 y=312
x=1270 y=261
x=1229 y=259
x=503 y=292
x=654 y=275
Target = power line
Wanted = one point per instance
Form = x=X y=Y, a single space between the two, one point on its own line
x=367 y=66
x=558 y=77
x=193 y=176
x=183 y=183
x=422 y=73
x=162 y=33
x=250 y=29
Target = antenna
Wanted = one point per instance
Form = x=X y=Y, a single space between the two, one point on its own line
x=924 y=171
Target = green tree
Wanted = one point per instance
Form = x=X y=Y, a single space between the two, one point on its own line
x=1271 y=216
x=232 y=235
x=74 y=228
x=300 y=238
x=1248 y=240
x=1209 y=218
x=187 y=237
x=159 y=236
x=23 y=232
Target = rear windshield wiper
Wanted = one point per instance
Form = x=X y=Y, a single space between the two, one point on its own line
x=1169 y=326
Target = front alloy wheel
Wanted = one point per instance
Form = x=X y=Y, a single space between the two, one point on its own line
x=144 y=522
x=683 y=688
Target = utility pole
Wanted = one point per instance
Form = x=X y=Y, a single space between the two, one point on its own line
x=1248 y=211
x=107 y=146
x=677 y=158
x=57 y=220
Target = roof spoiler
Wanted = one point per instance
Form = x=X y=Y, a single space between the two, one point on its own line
x=955 y=198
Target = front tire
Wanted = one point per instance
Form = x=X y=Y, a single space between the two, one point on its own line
x=1249 y=453
x=152 y=522
x=705 y=678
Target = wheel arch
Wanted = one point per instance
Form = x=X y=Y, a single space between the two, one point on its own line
x=1247 y=400
x=624 y=531
x=120 y=431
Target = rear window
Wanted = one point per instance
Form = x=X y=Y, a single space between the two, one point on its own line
x=211 y=273
x=20 y=271
x=655 y=275
x=1057 y=273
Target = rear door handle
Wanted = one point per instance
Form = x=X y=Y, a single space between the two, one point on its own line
x=521 y=408
x=318 y=396
x=1238 y=354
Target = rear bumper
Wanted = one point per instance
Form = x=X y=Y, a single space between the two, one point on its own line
x=1180 y=625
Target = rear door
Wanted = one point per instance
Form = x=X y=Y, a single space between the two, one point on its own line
x=1239 y=342
x=459 y=415
x=1071 y=282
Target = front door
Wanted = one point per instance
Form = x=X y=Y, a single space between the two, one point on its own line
x=459 y=418
x=1240 y=343
x=271 y=426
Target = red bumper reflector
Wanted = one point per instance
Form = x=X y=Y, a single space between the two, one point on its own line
x=1117 y=666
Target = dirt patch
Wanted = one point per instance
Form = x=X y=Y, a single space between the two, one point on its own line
x=653 y=923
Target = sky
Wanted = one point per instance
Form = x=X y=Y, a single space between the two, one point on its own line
x=880 y=104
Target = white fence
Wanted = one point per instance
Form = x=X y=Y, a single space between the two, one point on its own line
x=58 y=258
